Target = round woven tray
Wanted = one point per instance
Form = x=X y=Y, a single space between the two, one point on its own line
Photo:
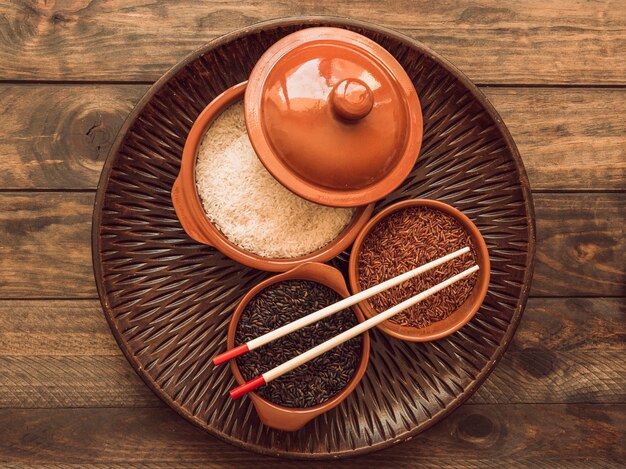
x=169 y=299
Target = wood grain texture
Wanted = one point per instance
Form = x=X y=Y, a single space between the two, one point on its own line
x=545 y=376
x=588 y=463
x=570 y=139
x=62 y=354
x=72 y=381
x=572 y=324
x=581 y=245
x=56 y=328
x=45 y=245
x=534 y=376
x=584 y=463
x=473 y=436
x=57 y=136
x=528 y=41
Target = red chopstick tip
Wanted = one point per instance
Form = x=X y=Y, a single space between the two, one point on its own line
x=230 y=354
x=247 y=387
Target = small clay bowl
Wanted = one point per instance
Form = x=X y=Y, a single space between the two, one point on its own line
x=458 y=318
x=292 y=418
x=194 y=220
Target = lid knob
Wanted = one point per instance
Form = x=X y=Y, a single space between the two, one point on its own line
x=352 y=99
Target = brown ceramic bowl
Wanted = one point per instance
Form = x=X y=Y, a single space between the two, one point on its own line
x=194 y=220
x=458 y=318
x=290 y=418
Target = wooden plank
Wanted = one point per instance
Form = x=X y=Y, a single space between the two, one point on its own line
x=569 y=139
x=581 y=245
x=45 y=247
x=545 y=376
x=62 y=354
x=57 y=136
x=58 y=328
x=539 y=376
x=475 y=435
x=528 y=41
x=564 y=350
x=572 y=324
x=72 y=381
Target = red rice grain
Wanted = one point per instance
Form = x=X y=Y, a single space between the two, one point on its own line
x=405 y=240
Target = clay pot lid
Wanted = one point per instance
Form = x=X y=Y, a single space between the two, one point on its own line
x=333 y=117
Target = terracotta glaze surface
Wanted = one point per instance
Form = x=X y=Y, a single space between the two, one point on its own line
x=333 y=116
x=287 y=418
x=456 y=319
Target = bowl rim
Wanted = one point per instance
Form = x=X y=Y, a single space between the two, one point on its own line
x=409 y=333
x=193 y=218
x=310 y=271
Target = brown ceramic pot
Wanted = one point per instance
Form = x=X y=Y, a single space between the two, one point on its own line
x=333 y=116
x=194 y=220
x=289 y=418
x=458 y=318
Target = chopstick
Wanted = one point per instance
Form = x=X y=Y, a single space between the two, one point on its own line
x=332 y=309
x=344 y=336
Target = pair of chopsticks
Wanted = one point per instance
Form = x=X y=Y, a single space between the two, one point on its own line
x=346 y=335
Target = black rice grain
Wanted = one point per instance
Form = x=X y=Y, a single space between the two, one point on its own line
x=321 y=378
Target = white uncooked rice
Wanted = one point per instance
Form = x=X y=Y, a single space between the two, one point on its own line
x=253 y=210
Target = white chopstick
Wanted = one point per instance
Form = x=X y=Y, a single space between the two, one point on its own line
x=344 y=336
x=334 y=308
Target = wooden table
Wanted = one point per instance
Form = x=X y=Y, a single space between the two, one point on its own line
x=70 y=73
